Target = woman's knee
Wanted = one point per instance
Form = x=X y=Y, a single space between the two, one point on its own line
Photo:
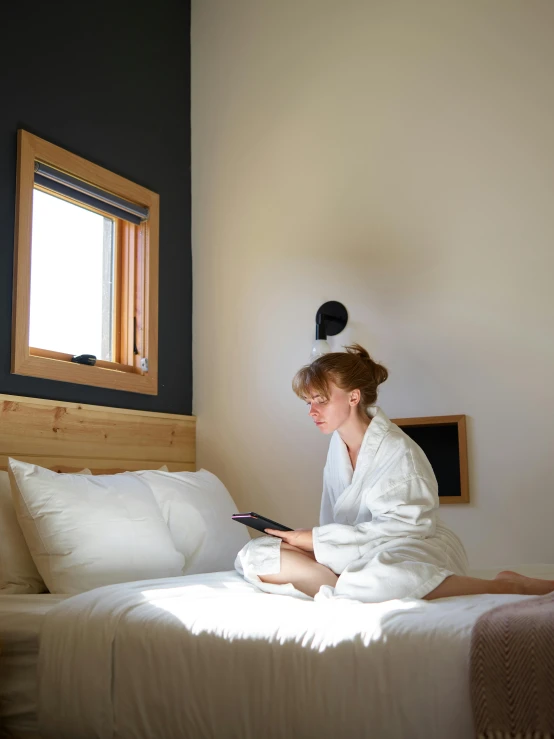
x=292 y=548
x=302 y=571
x=294 y=562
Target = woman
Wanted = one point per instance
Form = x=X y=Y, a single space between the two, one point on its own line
x=380 y=536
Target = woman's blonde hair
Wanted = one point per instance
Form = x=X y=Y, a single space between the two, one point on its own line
x=353 y=369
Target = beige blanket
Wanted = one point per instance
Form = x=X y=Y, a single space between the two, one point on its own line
x=512 y=671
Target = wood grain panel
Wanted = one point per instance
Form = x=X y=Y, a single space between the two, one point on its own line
x=70 y=436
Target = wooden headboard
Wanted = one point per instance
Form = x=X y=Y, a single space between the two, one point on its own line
x=70 y=436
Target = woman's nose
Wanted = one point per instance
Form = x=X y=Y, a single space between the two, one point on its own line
x=312 y=411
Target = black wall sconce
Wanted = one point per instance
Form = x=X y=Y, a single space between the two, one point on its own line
x=330 y=320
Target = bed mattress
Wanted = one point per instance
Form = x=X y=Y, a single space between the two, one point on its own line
x=213 y=656
x=21 y=617
x=235 y=640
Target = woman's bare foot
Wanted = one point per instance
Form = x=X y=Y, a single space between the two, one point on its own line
x=531 y=585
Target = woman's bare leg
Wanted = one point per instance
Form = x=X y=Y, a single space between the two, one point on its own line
x=504 y=582
x=301 y=569
x=530 y=581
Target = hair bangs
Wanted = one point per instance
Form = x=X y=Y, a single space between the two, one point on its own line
x=311 y=380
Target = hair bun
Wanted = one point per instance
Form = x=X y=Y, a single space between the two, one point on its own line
x=359 y=350
x=380 y=373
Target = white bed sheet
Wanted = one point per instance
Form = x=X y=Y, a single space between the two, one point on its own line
x=20 y=620
x=212 y=656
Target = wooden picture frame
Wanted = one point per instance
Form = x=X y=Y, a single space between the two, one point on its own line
x=446 y=451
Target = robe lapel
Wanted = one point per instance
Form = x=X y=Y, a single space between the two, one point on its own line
x=349 y=501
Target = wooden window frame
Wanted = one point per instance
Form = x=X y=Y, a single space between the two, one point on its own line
x=136 y=294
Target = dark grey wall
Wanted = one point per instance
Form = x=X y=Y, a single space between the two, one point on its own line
x=109 y=81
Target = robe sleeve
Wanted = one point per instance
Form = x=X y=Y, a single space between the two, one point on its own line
x=406 y=510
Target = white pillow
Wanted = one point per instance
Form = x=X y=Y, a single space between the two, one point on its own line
x=18 y=573
x=84 y=532
x=197 y=509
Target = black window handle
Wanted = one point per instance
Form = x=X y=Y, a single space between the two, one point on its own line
x=89 y=359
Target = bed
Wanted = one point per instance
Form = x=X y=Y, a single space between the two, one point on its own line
x=68 y=437
x=208 y=654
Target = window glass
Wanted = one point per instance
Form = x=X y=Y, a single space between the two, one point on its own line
x=72 y=278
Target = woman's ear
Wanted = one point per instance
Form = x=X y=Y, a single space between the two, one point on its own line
x=355 y=396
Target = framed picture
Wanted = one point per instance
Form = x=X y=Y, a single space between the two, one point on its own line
x=444 y=441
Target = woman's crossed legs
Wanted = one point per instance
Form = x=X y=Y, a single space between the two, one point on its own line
x=307 y=575
x=301 y=569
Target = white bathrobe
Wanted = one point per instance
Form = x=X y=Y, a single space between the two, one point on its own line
x=379 y=530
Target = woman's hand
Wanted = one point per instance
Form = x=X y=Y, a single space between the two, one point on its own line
x=301 y=538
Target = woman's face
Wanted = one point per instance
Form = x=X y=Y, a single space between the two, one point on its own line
x=330 y=414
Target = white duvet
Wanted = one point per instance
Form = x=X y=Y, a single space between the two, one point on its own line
x=212 y=656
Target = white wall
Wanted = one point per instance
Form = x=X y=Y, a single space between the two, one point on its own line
x=397 y=156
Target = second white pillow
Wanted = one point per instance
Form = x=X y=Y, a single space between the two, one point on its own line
x=197 y=508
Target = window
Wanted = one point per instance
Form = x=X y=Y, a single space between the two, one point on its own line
x=86 y=267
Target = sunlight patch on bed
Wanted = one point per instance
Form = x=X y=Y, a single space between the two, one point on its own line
x=277 y=619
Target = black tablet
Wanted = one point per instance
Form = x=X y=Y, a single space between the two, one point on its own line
x=261 y=523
